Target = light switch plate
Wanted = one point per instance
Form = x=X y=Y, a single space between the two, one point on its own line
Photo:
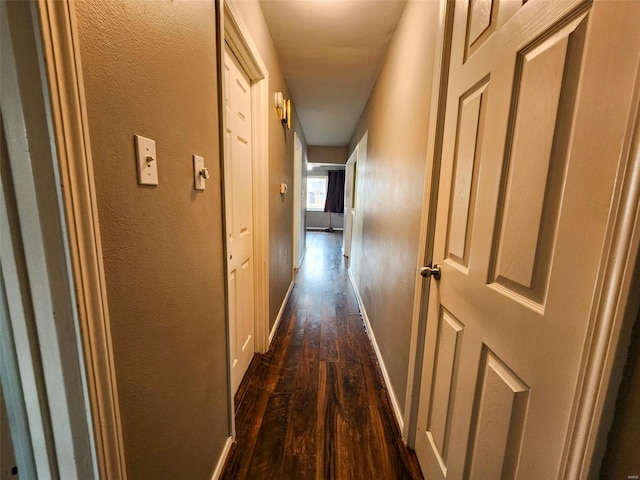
x=198 y=178
x=147 y=161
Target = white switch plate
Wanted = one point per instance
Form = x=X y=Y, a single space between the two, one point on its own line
x=147 y=169
x=198 y=178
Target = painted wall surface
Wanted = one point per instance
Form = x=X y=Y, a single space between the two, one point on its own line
x=281 y=147
x=320 y=220
x=320 y=154
x=150 y=69
x=384 y=247
x=621 y=459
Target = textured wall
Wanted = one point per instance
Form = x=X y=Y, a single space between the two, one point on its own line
x=321 y=154
x=281 y=145
x=384 y=247
x=150 y=69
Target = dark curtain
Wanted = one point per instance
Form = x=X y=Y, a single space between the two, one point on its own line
x=335 y=192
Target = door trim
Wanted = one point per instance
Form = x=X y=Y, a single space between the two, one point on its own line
x=615 y=307
x=71 y=133
x=428 y=217
x=297 y=202
x=237 y=36
x=349 y=175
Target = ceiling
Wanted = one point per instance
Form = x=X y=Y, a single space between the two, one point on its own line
x=331 y=52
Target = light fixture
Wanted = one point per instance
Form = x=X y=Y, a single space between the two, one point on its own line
x=280 y=106
x=283 y=108
x=287 y=119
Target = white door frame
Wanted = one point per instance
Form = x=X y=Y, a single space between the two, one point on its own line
x=297 y=202
x=303 y=206
x=350 y=170
x=236 y=35
x=85 y=316
x=71 y=129
x=615 y=311
x=615 y=303
x=428 y=217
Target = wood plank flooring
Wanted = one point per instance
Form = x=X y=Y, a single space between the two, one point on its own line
x=315 y=405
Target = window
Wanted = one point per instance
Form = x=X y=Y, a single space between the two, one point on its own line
x=316 y=192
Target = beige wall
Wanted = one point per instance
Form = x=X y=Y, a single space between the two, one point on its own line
x=281 y=147
x=321 y=154
x=320 y=220
x=384 y=247
x=150 y=69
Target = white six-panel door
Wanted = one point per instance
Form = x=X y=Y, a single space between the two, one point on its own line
x=238 y=178
x=538 y=103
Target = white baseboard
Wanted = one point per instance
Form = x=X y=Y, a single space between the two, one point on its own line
x=280 y=313
x=322 y=229
x=223 y=458
x=385 y=374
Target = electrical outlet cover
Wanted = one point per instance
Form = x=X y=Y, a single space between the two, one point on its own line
x=198 y=178
x=147 y=161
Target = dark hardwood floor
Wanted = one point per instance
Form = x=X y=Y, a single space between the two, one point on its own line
x=315 y=405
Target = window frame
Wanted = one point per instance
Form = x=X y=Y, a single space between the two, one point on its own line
x=325 y=178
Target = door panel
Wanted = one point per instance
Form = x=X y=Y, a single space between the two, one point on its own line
x=532 y=138
x=468 y=145
x=239 y=216
x=532 y=191
x=485 y=17
x=498 y=421
x=447 y=356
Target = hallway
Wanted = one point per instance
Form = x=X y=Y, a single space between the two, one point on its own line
x=315 y=405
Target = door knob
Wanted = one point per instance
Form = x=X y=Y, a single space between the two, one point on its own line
x=431 y=271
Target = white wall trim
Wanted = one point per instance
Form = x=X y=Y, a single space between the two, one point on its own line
x=611 y=325
x=394 y=400
x=71 y=132
x=18 y=375
x=222 y=460
x=427 y=222
x=237 y=36
x=281 y=312
x=260 y=93
x=298 y=207
x=239 y=39
x=322 y=229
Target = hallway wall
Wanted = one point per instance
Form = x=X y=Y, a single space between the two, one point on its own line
x=281 y=148
x=320 y=220
x=150 y=69
x=321 y=154
x=385 y=248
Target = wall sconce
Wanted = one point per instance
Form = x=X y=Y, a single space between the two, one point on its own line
x=280 y=106
x=283 y=109
x=288 y=113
